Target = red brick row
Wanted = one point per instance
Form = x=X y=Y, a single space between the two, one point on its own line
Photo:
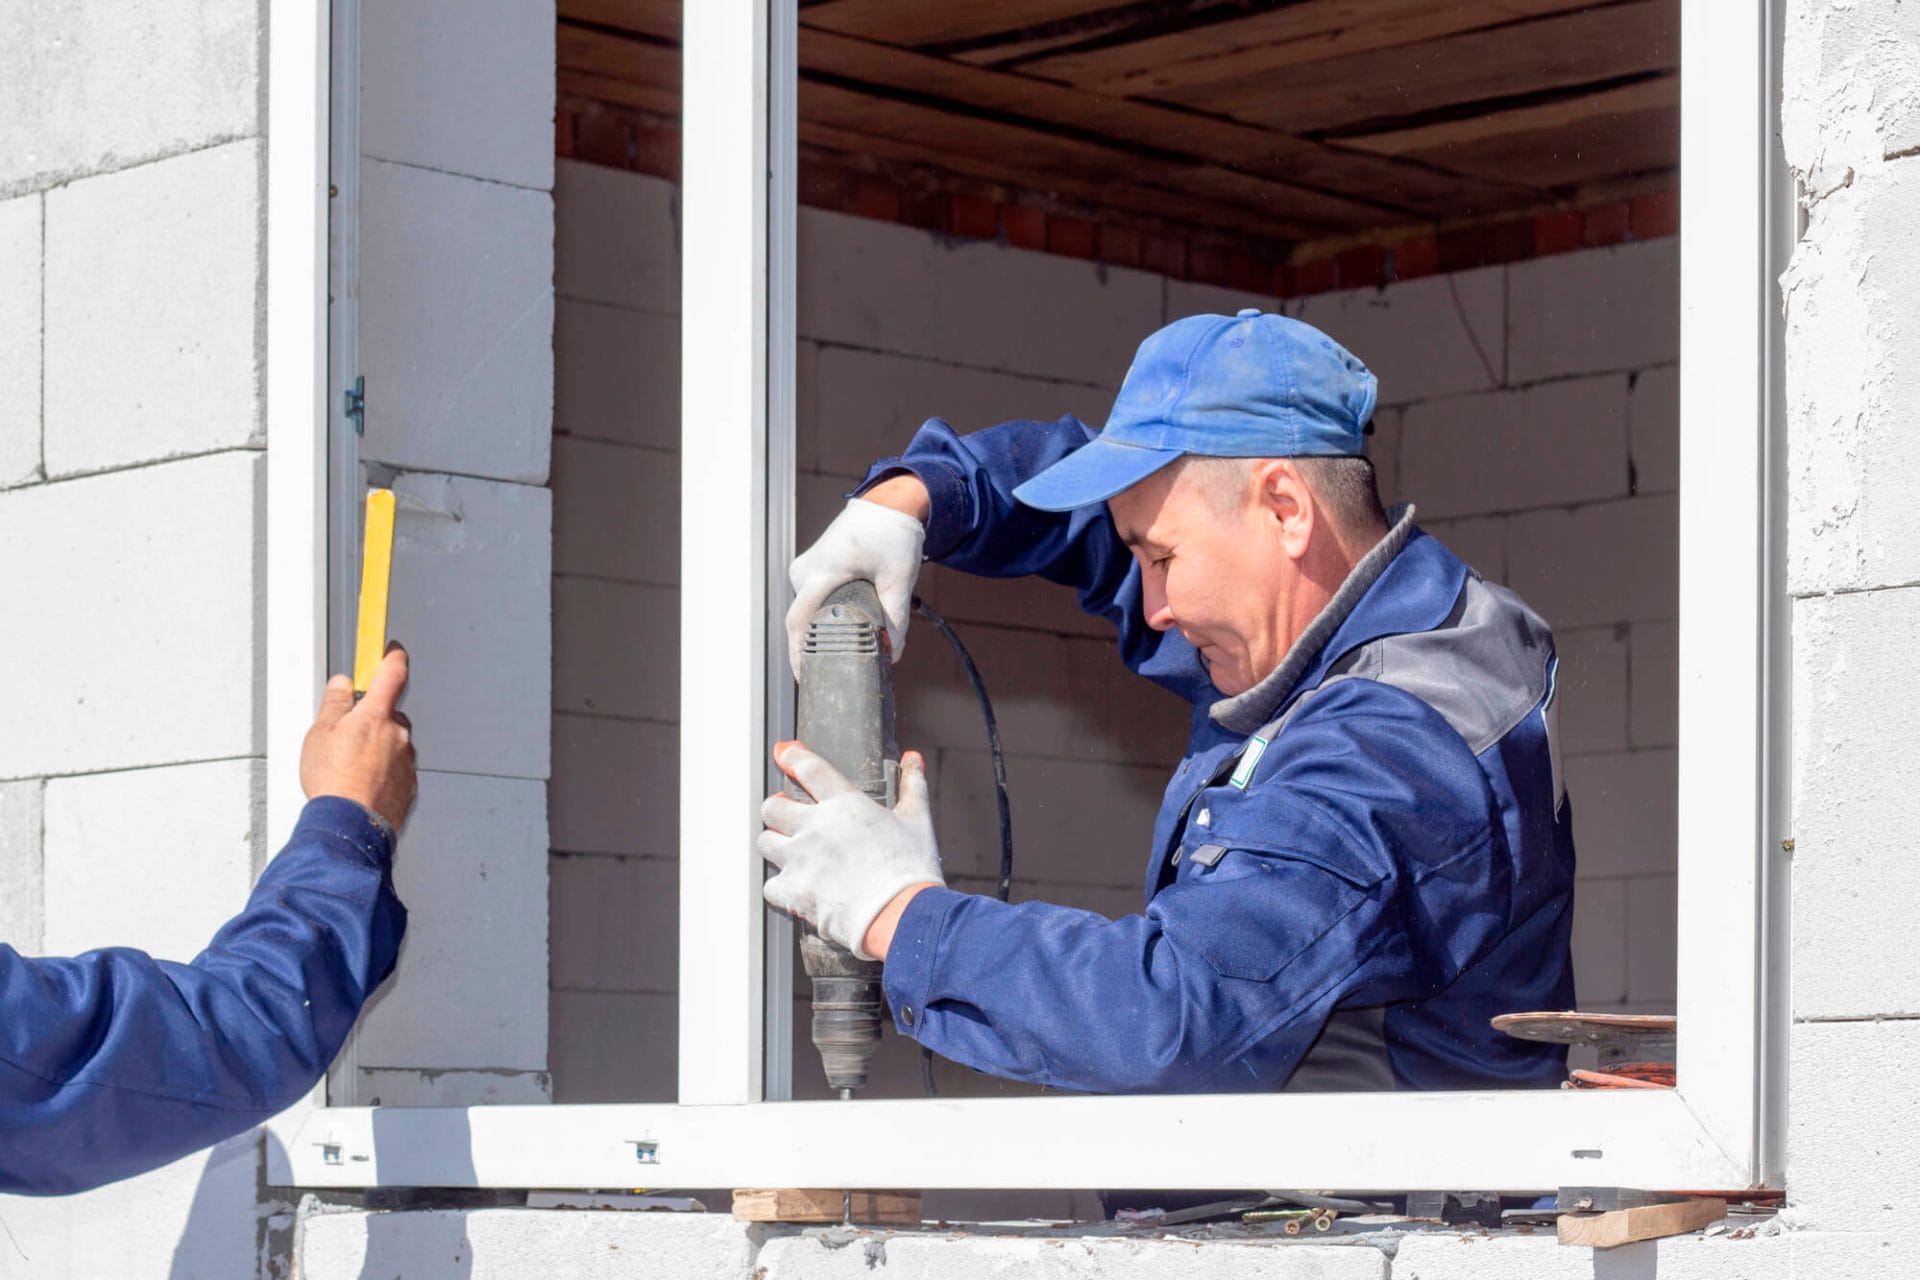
x=610 y=137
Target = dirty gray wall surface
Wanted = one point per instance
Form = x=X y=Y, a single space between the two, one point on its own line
x=132 y=339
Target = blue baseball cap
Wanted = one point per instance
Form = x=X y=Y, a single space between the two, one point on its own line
x=1251 y=385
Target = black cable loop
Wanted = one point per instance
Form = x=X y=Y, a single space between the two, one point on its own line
x=999 y=784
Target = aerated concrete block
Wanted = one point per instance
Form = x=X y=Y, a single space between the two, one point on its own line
x=21 y=231
x=1625 y=812
x=1855 y=873
x=86 y=88
x=1852 y=1164
x=156 y=859
x=1600 y=943
x=616 y=375
x=470 y=989
x=472 y=601
x=155 y=333
x=868 y=404
x=1592 y=312
x=22 y=867
x=456 y=323
x=617 y=238
x=1853 y=458
x=1438 y=1255
x=1186 y=298
x=948 y=1256
x=1073 y=821
x=1421 y=338
x=616 y=649
x=1653 y=921
x=511 y=1244
x=900 y=289
x=615 y=1046
x=460 y=87
x=154 y=661
x=616 y=787
x=1592 y=688
x=1654 y=675
x=1603 y=563
x=616 y=512
x=615 y=923
x=1552 y=445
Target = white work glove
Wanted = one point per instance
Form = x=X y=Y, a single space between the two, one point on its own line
x=843 y=858
x=867 y=541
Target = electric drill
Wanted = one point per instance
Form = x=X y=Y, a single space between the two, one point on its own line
x=845 y=715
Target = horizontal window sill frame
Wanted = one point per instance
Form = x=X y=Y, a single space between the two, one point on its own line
x=1512 y=1141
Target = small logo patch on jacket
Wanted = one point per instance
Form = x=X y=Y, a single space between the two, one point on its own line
x=1249 y=757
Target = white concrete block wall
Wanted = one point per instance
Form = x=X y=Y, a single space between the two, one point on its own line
x=616 y=605
x=1851 y=86
x=455 y=341
x=22 y=242
x=131 y=345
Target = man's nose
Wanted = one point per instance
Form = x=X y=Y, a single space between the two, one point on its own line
x=1153 y=601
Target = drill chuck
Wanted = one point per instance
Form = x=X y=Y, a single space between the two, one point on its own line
x=845 y=714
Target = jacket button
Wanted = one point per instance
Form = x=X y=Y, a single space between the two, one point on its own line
x=906 y=1015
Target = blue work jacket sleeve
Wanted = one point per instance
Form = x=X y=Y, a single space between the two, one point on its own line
x=1359 y=867
x=977 y=526
x=113 y=1062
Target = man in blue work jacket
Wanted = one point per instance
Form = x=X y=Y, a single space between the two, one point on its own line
x=1367 y=851
x=113 y=1063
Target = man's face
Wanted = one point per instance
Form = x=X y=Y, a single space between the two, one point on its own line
x=1216 y=563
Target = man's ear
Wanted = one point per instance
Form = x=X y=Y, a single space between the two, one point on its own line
x=1283 y=494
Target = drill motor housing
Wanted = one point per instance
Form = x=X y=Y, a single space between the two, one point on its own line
x=845 y=714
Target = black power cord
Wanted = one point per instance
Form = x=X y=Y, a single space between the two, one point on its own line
x=999 y=783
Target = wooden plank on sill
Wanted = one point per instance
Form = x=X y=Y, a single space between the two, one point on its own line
x=1404 y=190
x=1645 y=95
x=1649 y=1222
x=1525 y=58
x=910 y=22
x=1262 y=43
x=1592 y=151
x=805 y=1204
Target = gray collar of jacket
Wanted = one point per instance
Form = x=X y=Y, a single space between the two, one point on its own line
x=1246 y=712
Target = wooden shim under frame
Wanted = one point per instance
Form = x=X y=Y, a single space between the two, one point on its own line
x=1647 y=1222
x=813 y=1204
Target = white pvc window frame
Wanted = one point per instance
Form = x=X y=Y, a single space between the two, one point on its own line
x=1720 y=1129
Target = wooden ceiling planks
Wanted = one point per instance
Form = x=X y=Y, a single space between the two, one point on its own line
x=1281 y=118
x=923 y=22
x=1455 y=72
x=1259 y=43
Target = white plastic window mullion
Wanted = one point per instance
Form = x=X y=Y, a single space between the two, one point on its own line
x=723 y=548
x=1725 y=580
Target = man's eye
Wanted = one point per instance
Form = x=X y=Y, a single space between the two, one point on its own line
x=1161 y=562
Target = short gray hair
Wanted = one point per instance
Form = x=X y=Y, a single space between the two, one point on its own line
x=1347 y=489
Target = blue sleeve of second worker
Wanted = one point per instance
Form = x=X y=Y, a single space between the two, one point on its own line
x=977 y=526
x=1360 y=870
x=113 y=1063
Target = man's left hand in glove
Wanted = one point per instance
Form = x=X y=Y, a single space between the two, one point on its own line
x=846 y=862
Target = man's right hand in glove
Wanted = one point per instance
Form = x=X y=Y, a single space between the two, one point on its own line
x=878 y=537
